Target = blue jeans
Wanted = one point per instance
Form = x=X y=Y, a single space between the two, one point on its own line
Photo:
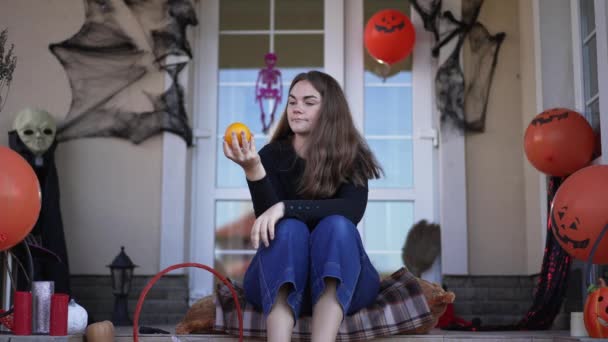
x=304 y=259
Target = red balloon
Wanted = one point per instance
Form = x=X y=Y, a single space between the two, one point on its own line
x=19 y=198
x=389 y=36
x=559 y=141
x=579 y=212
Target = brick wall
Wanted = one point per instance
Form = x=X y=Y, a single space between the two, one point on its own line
x=502 y=300
x=165 y=304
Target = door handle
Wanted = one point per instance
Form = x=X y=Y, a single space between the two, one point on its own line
x=431 y=134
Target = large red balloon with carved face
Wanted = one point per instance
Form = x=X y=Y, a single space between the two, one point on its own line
x=389 y=36
x=579 y=212
x=559 y=141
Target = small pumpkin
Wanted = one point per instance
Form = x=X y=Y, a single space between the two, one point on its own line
x=596 y=311
x=100 y=332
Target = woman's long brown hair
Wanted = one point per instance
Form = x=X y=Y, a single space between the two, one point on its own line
x=336 y=152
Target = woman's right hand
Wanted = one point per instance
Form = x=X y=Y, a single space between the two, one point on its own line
x=246 y=156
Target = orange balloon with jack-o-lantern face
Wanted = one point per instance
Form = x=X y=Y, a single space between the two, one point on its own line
x=389 y=36
x=559 y=141
x=579 y=213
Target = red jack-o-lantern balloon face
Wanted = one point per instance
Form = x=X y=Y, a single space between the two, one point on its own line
x=389 y=36
x=596 y=313
x=579 y=212
x=549 y=142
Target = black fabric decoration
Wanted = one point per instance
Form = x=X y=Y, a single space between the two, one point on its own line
x=107 y=68
x=46 y=240
x=462 y=103
x=551 y=288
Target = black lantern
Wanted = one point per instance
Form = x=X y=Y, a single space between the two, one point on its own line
x=122 y=274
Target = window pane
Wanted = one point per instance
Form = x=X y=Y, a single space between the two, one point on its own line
x=388 y=110
x=233 y=266
x=299 y=51
x=370 y=7
x=590 y=68
x=233 y=222
x=386 y=226
x=237 y=103
x=587 y=17
x=245 y=15
x=395 y=156
x=228 y=173
x=240 y=74
x=592 y=113
x=238 y=52
x=299 y=15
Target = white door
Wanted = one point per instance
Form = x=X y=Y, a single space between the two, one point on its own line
x=395 y=116
x=232 y=40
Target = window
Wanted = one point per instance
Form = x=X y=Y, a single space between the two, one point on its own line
x=591 y=71
x=590 y=101
x=389 y=114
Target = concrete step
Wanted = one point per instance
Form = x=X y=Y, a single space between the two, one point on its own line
x=125 y=334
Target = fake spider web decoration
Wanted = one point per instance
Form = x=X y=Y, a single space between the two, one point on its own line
x=462 y=102
x=115 y=63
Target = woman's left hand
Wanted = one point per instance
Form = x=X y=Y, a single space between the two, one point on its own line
x=263 y=227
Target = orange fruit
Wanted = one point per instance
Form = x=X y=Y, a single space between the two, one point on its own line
x=237 y=127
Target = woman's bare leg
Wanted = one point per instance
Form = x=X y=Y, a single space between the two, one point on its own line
x=279 y=322
x=327 y=314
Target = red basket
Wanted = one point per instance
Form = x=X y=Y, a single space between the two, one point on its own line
x=142 y=296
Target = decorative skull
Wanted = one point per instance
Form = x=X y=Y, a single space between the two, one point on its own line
x=36 y=128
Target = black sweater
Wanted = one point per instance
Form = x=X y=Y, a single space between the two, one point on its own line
x=283 y=171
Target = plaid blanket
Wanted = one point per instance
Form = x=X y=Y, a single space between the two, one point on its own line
x=399 y=308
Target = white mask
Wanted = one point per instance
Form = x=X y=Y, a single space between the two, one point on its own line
x=36 y=128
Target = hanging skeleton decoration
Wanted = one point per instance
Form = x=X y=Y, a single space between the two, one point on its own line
x=115 y=64
x=462 y=102
x=268 y=87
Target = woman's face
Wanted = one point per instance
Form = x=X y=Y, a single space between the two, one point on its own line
x=303 y=107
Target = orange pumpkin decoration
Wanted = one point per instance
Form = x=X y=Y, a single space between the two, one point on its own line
x=559 y=142
x=579 y=212
x=389 y=36
x=596 y=312
x=100 y=332
x=237 y=127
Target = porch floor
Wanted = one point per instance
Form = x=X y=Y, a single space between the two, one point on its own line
x=124 y=334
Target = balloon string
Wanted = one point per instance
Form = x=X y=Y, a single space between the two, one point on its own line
x=385 y=70
x=590 y=279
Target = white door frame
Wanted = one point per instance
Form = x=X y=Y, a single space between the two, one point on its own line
x=449 y=193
